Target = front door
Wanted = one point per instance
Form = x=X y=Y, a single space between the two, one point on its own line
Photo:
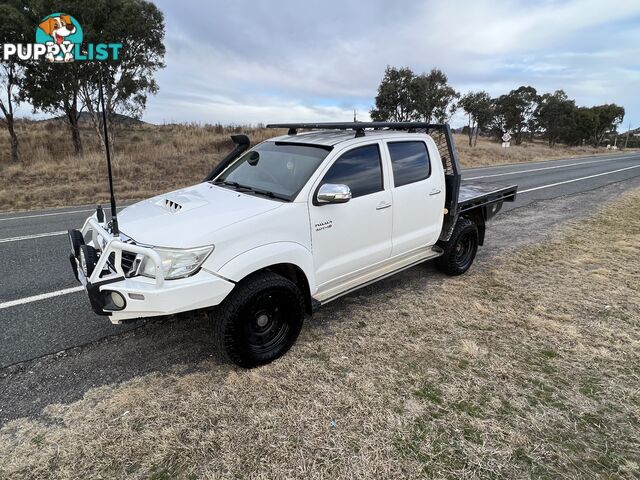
x=348 y=238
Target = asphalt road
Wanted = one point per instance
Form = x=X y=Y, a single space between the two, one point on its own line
x=34 y=255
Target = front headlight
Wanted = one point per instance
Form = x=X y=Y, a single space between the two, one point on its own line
x=176 y=263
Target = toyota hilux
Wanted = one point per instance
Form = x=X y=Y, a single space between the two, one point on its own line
x=279 y=229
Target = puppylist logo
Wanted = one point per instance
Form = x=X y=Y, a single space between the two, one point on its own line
x=59 y=39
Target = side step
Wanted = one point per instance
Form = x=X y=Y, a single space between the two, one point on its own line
x=351 y=282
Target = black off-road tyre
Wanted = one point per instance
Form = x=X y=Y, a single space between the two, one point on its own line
x=75 y=239
x=90 y=256
x=460 y=250
x=259 y=320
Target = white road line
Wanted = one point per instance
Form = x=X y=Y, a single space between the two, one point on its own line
x=29 y=237
x=577 y=179
x=552 y=161
x=548 y=168
x=42 y=296
x=46 y=214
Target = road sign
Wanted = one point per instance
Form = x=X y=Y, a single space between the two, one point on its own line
x=506 y=137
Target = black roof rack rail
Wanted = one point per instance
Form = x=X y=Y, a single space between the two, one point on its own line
x=359 y=127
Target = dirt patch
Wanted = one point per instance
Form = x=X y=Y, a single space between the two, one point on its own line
x=526 y=367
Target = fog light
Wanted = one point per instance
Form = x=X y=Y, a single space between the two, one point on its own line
x=114 y=301
x=117 y=299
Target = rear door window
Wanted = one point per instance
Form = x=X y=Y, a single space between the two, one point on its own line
x=410 y=162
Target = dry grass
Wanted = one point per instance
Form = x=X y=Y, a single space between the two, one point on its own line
x=488 y=152
x=152 y=159
x=527 y=366
x=148 y=160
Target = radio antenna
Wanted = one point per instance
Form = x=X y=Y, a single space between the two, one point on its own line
x=114 y=218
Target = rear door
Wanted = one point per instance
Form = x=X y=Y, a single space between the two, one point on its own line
x=418 y=195
x=348 y=238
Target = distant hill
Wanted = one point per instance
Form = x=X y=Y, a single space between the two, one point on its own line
x=85 y=119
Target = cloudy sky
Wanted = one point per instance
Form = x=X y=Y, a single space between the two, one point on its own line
x=250 y=61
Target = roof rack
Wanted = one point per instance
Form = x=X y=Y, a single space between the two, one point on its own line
x=359 y=127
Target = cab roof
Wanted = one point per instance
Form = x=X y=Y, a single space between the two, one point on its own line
x=330 y=138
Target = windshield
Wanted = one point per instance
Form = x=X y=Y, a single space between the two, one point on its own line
x=275 y=169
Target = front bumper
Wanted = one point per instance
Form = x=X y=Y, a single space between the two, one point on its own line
x=143 y=296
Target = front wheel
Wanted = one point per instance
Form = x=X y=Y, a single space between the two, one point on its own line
x=460 y=250
x=260 y=319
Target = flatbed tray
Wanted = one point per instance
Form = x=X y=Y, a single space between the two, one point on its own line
x=478 y=194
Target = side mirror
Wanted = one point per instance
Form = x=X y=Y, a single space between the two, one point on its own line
x=254 y=158
x=333 y=193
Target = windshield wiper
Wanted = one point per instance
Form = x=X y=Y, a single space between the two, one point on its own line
x=270 y=194
x=237 y=186
x=225 y=182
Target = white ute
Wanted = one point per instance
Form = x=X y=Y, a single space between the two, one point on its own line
x=293 y=223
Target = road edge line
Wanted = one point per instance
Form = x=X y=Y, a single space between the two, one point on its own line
x=42 y=296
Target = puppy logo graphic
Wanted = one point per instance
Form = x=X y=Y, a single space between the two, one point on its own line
x=60 y=33
x=59 y=39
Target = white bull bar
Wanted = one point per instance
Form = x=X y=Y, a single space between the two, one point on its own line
x=105 y=242
x=144 y=296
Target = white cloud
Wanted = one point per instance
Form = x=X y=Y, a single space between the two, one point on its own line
x=267 y=110
x=258 y=61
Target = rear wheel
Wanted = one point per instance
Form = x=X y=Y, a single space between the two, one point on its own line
x=460 y=250
x=260 y=319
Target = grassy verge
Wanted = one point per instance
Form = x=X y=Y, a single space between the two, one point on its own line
x=487 y=152
x=149 y=160
x=524 y=367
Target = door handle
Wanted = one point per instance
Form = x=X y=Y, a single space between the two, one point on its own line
x=383 y=205
x=435 y=192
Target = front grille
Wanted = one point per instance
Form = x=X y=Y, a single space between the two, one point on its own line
x=128 y=263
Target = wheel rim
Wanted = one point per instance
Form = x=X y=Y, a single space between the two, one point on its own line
x=267 y=325
x=464 y=250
